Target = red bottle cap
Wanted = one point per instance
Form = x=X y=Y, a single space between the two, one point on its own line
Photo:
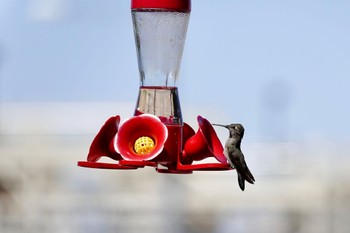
x=176 y=5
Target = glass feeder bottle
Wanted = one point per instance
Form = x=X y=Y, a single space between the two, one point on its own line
x=160 y=31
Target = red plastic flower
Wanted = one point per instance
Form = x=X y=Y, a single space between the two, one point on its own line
x=102 y=143
x=141 y=138
x=205 y=143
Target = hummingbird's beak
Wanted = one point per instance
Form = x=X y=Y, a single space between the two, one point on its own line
x=225 y=126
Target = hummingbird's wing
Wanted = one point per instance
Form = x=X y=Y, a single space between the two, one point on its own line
x=247 y=174
x=250 y=174
x=236 y=159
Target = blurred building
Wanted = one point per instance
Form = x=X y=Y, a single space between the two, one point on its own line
x=301 y=187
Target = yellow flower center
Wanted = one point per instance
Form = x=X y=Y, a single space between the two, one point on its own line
x=143 y=145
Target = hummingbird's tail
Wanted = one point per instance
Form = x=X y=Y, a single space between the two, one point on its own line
x=241 y=181
x=247 y=176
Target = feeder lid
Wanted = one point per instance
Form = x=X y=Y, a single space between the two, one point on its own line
x=177 y=5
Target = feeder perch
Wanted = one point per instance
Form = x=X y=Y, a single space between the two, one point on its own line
x=156 y=136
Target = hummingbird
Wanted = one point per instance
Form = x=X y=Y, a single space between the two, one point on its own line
x=234 y=154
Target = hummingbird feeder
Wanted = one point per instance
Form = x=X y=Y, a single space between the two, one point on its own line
x=156 y=135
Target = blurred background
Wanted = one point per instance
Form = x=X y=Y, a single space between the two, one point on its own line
x=282 y=69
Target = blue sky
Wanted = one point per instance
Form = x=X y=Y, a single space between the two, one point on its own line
x=282 y=68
